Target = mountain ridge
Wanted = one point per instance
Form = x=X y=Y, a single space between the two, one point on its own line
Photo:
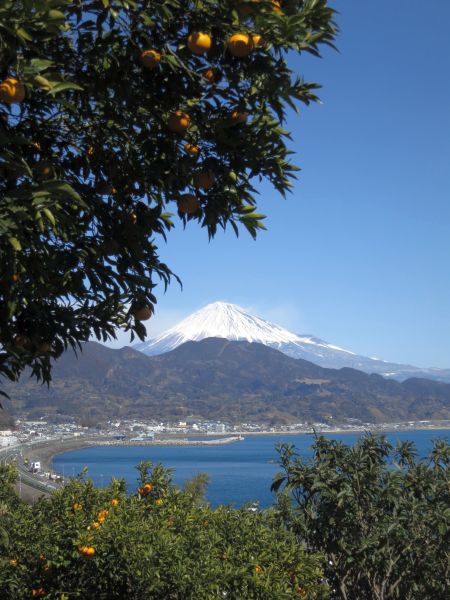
x=229 y=321
x=220 y=379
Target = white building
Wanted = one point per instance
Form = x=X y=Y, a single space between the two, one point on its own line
x=7 y=438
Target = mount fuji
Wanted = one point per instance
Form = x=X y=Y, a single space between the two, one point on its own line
x=229 y=321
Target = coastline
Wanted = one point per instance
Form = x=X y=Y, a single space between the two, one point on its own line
x=47 y=450
x=33 y=486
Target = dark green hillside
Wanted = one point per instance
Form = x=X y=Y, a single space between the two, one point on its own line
x=219 y=379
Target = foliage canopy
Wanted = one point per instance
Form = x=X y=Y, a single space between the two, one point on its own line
x=103 y=148
x=380 y=516
x=86 y=542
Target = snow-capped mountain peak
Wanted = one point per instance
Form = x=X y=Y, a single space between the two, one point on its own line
x=229 y=321
x=224 y=320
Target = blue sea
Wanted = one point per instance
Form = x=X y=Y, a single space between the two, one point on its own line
x=239 y=472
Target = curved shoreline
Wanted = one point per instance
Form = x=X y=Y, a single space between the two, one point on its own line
x=47 y=450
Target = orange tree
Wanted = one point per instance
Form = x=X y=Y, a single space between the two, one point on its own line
x=117 y=118
x=86 y=542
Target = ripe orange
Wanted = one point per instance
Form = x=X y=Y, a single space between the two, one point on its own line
x=204 y=179
x=44 y=348
x=114 y=502
x=12 y=91
x=142 y=312
x=238 y=118
x=158 y=502
x=192 y=149
x=179 y=122
x=87 y=551
x=258 y=569
x=276 y=4
x=199 y=42
x=147 y=488
x=38 y=592
x=240 y=45
x=44 y=169
x=95 y=525
x=23 y=341
x=188 y=204
x=77 y=506
x=102 y=516
x=13 y=562
x=15 y=278
x=150 y=59
x=246 y=9
x=257 y=40
x=210 y=74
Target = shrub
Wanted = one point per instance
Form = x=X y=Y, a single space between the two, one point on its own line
x=380 y=516
x=158 y=544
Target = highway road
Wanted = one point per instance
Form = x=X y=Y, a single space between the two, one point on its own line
x=14 y=455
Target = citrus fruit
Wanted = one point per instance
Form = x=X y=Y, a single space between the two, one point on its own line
x=192 y=149
x=238 y=118
x=179 y=122
x=204 y=179
x=240 y=45
x=245 y=9
x=12 y=91
x=150 y=59
x=44 y=169
x=209 y=74
x=44 y=348
x=142 y=312
x=276 y=4
x=23 y=341
x=257 y=40
x=188 y=204
x=199 y=42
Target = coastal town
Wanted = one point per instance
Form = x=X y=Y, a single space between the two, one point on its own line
x=141 y=431
x=32 y=444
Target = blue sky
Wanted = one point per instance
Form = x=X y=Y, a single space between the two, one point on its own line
x=359 y=254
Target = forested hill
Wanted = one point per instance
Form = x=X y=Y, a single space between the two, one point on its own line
x=221 y=379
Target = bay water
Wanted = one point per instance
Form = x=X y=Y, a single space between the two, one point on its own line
x=239 y=472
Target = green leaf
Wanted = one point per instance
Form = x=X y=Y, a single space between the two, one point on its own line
x=48 y=213
x=40 y=64
x=65 y=85
x=63 y=188
x=15 y=244
x=24 y=35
